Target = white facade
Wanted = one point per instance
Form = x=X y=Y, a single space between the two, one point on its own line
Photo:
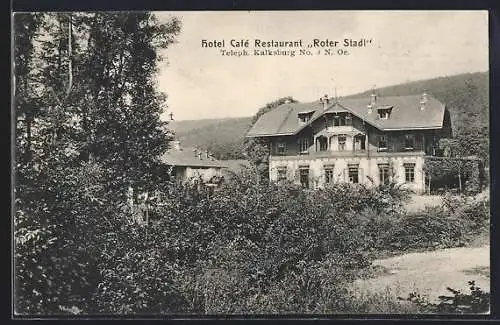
x=191 y=172
x=368 y=170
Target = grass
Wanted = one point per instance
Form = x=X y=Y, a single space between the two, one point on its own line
x=429 y=272
x=482 y=239
x=373 y=271
x=380 y=302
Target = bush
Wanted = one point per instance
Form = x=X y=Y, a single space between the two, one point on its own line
x=243 y=247
x=476 y=301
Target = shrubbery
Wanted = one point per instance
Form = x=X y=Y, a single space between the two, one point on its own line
x=457 y=223
x=240 y=248
x=476 y=301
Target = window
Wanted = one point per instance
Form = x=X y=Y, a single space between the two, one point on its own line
x=339 y=120
x=383 y=173
x=342 y=140
x=342 y=120
x=323 y=143
x=382 y=142
x=281 y=148
x=353 y=173
x=348 y=119
x=359 y=142
x=303 y=119
x=328 y=174
x=409 y=173
x=281 y=174
x=304 y=176
x=303 y=145
x=384 y=113
x=409 y=141
x=329 y=123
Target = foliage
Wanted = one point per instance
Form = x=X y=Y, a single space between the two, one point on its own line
x=87 y=123
x=457 y=223
x=463 y=173
x=257 y=149
x=476 y=301
x=236 y=251
x=245 y=246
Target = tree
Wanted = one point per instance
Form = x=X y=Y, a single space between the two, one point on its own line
x=127 y=132
x=257 y=149
x=453 y=149
x=86 y=94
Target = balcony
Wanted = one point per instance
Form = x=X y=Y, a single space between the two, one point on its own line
x=346 y=154
x=321 y=154
x=405 y=153
x=344 y=129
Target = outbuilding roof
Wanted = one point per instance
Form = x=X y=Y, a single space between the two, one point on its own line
x=187 y=157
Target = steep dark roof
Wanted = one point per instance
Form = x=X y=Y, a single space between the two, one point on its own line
x=283 y=119
x=406 y=115
x=186 y=157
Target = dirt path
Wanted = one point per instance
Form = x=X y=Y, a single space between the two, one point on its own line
x=430 y=273
x=419 y=202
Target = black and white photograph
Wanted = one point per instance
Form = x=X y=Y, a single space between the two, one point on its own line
x=218 y=163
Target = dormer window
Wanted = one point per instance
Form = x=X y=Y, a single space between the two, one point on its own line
x=384 y=113
x=304 y=117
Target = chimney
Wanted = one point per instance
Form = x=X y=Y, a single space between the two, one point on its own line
x=373 y=99
x=423 y=101
x=207 y=155
x=324 y=100
x=176 y=145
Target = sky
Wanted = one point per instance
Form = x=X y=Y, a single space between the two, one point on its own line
x=406 y=46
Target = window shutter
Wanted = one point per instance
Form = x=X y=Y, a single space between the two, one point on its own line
x=346 y=175
x=360 y=175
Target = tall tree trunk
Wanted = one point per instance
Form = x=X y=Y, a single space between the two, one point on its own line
x=429 y=185
x=28 y=138
x=70 y=57
x=459 y=178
